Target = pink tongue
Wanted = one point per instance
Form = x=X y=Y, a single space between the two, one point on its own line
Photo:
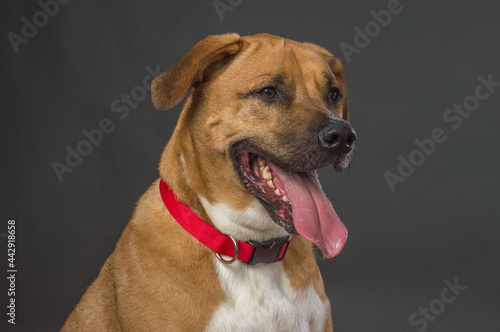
x=313 y=214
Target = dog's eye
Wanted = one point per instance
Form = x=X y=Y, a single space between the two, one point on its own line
x=334 y=94
x=268 y=92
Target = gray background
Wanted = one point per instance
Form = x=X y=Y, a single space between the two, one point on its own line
x=441 y=223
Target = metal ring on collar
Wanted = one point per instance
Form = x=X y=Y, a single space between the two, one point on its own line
x=229 y=261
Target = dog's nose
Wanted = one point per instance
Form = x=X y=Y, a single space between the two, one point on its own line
x=339 y=136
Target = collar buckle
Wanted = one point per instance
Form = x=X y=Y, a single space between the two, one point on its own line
x=270 y=251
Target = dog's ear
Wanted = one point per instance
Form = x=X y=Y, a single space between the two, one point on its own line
x=337 y=70
x=205 y=58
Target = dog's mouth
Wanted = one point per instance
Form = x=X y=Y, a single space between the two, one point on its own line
x=294 y=200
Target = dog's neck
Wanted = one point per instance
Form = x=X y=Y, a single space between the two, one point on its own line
x=252 y=252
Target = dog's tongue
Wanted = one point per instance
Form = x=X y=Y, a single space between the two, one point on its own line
x=313 y=214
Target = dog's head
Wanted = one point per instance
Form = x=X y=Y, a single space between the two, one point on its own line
x=265 y=113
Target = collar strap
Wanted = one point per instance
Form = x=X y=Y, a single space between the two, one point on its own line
x=251 y=252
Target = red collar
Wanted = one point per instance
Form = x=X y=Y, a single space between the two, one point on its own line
x=250 y=252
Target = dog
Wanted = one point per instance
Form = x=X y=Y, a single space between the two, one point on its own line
x=222 y=241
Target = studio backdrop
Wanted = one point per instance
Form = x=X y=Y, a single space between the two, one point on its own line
x=81 y=142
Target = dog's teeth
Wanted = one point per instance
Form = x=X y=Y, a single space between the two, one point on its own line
x=266 y=174
x=284 y=199
x=270 y=183
x=277 y=192
x=261 y=161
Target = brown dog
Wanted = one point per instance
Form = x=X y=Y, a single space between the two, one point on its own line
x=264 y=114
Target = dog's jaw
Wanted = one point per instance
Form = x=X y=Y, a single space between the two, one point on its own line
x=294 y=200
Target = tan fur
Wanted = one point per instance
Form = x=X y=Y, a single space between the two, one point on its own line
x=159 y=278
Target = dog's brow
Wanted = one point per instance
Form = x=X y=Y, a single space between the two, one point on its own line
x=270 y=79
x=277 y=80
x=330 y=80
x=265 y=75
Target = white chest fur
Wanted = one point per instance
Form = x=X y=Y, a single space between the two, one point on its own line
x=260 y=298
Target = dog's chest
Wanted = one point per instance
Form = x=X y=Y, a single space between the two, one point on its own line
x=260 y=298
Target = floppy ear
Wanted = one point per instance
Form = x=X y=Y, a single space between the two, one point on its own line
x=204 y=59
x=337 y=70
